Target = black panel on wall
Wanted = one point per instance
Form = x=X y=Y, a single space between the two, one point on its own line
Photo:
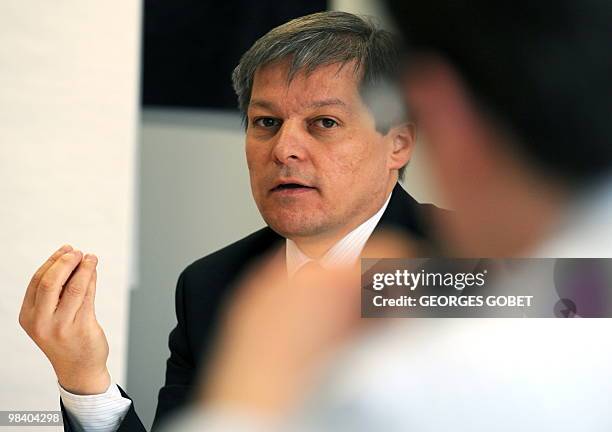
x=191 y=47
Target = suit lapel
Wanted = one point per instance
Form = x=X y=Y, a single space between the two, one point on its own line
x=404 y=213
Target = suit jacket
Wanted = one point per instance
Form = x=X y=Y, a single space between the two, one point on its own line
x=205 y=286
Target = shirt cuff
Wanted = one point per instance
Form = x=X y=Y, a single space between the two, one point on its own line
x=96 y=413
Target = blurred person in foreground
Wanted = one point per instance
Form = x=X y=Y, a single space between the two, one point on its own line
x=515 y=104
x=324 y=175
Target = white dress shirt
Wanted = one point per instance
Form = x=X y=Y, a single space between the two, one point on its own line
x=105 y=412
x=344 y=253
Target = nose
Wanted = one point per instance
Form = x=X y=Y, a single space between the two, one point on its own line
x=290 y=145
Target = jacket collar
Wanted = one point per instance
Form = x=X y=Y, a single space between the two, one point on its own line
x=404 y=213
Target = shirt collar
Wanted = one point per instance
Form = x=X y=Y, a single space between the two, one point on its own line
x=345 y=252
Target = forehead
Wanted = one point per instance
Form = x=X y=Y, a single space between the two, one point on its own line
x=329 y=82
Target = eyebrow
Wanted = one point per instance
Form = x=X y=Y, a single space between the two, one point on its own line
x=262 y=104
x=327 y=102
x=316 y=104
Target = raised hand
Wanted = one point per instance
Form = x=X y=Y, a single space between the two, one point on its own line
x=58 y=314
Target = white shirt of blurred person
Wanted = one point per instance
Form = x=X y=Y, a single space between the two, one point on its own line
x=321 y=174
x=515 y=196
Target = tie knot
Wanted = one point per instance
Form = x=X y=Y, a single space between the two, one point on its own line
x=307 y=272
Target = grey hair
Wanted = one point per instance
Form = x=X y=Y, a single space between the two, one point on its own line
x=321 y=39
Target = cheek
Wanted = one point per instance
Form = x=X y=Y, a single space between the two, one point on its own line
x=248 y=153
x=340 y=168
x=364 y=159
x=347 y=169
x=253 y=157
x=255 y=166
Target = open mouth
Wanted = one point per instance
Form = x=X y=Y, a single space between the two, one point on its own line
x=291 y=187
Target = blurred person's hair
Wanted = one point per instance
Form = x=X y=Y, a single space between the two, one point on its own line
x=541 y=68
x=323 y=39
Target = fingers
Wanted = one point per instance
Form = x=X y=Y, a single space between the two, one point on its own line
x=73 y=294
x=52 y=281
x=88 y=306
x=90 y=296
x=30 y=294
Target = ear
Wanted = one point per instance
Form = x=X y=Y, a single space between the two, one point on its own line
x=402 y=139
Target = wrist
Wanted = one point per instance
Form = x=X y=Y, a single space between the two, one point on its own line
x=85 y=385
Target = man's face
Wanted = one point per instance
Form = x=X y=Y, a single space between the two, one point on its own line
x=318 y=167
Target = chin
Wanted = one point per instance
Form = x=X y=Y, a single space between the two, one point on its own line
x=293 y=225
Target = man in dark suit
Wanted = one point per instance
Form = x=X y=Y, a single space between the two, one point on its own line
x=324 y=174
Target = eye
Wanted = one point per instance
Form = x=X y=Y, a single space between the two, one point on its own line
x=266 y=122
x=326 y=123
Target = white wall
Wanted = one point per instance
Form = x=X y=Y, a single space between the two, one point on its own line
x=68 y=106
